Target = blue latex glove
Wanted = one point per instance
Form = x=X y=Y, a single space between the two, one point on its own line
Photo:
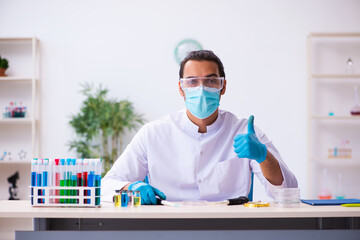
x=248 y=145
x=147 y=192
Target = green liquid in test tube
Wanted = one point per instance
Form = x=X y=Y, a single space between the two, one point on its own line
x=97 y=181
x=68 y=179
x=73 y=179
x=62 y=179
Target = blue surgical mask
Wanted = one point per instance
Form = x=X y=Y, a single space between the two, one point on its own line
x=202 y=102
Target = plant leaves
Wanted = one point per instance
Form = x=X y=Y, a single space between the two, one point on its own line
x=102 y=120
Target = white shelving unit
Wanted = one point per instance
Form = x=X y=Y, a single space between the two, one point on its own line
x=330 y=98
x=18 y=134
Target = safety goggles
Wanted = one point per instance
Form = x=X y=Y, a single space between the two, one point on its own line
x=206 y=82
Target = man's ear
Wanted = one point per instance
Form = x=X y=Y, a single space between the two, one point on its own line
x=223 y=90
x=180 y=90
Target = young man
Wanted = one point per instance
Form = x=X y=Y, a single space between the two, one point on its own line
x=200 y=152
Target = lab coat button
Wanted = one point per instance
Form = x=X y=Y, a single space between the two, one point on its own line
x=199 y=180
x=201 y=153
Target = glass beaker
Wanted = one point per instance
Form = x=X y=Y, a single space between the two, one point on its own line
x=287 y=197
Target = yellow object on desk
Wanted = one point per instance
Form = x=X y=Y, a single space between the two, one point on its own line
x=351 y=205
x=257 y=204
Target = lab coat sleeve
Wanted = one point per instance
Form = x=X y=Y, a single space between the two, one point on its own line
x=129 y=167
x=289 y=178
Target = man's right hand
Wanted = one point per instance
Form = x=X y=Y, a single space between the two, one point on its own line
x=147 y=192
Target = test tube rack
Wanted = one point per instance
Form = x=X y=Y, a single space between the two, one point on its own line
x=339 y=153
x=87 y=197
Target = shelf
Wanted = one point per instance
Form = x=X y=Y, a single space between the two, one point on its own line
x=329 y=84
x=16 y=121
x=356 y=118
x=339 y=76
x=16 y=39
x=15 y=79
x=15 y=162
x=337 y=162
x=334 y=35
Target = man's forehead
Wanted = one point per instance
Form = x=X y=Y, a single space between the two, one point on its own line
x=201 y=67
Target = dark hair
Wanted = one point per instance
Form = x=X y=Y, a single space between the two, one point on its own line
x=202 y=55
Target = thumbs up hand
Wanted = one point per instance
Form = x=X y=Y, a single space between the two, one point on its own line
x=248 y=145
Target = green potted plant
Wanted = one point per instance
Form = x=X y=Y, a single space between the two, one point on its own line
x=101 y=124
x=4 y=64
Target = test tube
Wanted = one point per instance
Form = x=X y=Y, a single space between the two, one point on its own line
x=50 y=180
x=39 y=178
x=7 y=112
x=68 y=179
x=45 y=176
x=97 y=181
x=56 y=178
x=15 y=111
x=73 y=180
x=79 y=171
x=85 y=177
x=33 y=177
x=91 y=177
x=62 y=179
x=11 y=111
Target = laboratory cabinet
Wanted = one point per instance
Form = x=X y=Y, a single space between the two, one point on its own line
x=333 y=150
x=19 y=114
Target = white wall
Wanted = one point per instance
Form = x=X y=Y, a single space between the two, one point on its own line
x=128 y=47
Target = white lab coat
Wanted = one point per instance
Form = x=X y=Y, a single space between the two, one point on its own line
x=188 y=165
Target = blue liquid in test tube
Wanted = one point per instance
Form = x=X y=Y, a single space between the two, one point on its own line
x=45 y=175
x=91 y=177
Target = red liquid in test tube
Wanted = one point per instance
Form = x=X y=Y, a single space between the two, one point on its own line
x=85 y=177
x=57 y=178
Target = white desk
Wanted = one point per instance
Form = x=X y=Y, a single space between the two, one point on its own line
x=23 y=209
x=204 y=218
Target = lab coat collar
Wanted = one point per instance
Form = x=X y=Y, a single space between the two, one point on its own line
x=193 y=129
